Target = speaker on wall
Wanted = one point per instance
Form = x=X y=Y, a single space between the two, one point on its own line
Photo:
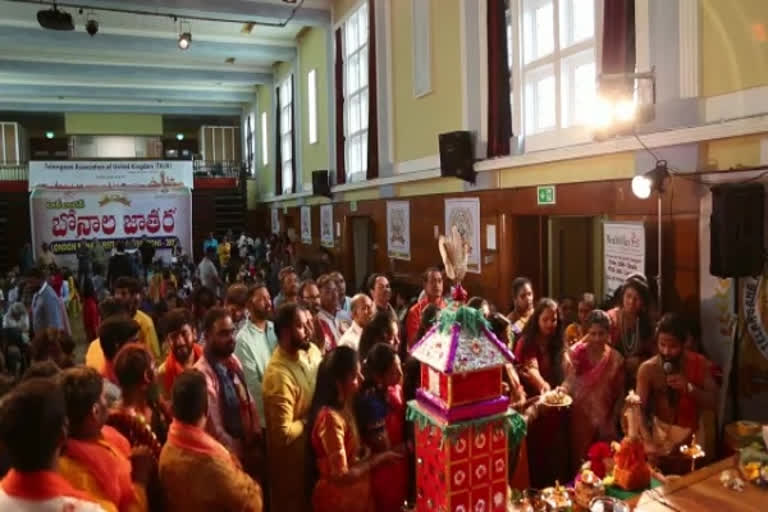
x=321 y=183
x=737 y=230
x=457 y=155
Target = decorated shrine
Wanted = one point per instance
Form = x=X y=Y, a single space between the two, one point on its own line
x=463 y=425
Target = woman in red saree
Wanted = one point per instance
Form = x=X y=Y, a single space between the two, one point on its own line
x=380 y=411
x=343 y=475
x=595 y=380
x=539 y=355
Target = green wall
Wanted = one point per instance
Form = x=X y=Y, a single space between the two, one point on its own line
x=86 y=123
x=313 y=54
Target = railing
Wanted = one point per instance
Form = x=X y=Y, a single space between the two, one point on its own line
x=223 y=169
x=14 y=172
x=201 y=169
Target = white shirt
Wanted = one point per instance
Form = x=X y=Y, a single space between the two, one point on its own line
x=59 y=504
x=208 y=274
x=351 y=337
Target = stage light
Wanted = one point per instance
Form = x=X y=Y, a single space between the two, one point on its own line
x=641 y=186
x=624 y=110
x=644 y=184
x=179 y=136
x=49 y=135
x=603 y=113
x=185 y=40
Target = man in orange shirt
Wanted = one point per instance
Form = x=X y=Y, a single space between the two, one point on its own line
x=433 y=294
x=96 y=458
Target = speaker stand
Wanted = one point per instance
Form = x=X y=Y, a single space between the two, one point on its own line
x=660 y=254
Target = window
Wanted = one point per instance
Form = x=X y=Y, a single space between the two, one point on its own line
x=286 y=134
x=250 y=141
x=355 y=53
x=312 y=105
x=264 y=140
x=553 y=63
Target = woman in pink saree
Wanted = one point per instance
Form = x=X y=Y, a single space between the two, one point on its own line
x=595 y=380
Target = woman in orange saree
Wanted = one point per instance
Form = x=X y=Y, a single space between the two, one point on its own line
x=595 y=380
x=343 y=477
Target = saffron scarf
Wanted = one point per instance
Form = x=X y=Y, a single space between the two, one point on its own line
x=108 y=461
x=196 y=440
x=40 y=486
x=173 y=368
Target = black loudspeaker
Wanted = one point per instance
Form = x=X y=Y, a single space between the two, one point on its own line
x=321 y=183
x=457 y=156
x=736 y=230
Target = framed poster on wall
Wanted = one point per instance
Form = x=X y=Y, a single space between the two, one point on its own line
x=465 y=215
x=623 y=252
x=306 y=225
x=399 y=230
x=326 y=225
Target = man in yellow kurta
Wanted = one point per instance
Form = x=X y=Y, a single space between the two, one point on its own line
x=197 y=473
x=289 y=384
x=127 y=292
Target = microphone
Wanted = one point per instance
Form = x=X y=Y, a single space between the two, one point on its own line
x=669 y=369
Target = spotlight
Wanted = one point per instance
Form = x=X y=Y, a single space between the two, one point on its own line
x=185 y=40
x=644 y=184
x=92 y=27
x=179 y=136
x=624 y=110
x=54 y=19
x=49 y=135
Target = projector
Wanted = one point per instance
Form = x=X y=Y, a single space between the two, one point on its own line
x=54 y=19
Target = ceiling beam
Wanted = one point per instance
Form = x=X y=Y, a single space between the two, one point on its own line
x=36 y=72
x=242 y=10
x=211 y=95
x=34 y=37
x=202 y=110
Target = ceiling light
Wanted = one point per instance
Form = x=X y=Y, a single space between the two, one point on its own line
x=49 y=135
x=54 y=19
x=179 y=136
x=185 y=40
x=92 y=27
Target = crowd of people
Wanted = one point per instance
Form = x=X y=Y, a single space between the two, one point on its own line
x=244 y=383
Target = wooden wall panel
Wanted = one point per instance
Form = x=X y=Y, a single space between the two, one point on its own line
x=521 y=227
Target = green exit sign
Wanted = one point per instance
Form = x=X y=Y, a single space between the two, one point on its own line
x=545 y=194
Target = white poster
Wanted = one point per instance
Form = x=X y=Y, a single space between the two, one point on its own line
x=74 y=174
x=623 y=252
x=399 y=230
x=275 y=221
x=306 y=225
x=326 y=225
x=65 y=219
x=465 y=215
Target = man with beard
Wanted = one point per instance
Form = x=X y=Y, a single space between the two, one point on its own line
x=183 y=352
x=128 y=291
x=289 y=384
x=289 y=287
x=433 y=294
x=236 y=303
x=309 y=299
x=256 y=342
x=96 y=458
x=232 y=416
x=674 y=386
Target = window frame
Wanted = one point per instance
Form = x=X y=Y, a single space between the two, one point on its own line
x=286 y=135
x=358 y=139
x=250 y=142
x=264 y=139
x=558 y=135
x=312 y=106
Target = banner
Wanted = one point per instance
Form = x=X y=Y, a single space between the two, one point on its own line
x=623 y=252
x=399 y=230
x=465 y=215
x=66 y=218
x=306 y=225
x=73 y=174
x=326 y=225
